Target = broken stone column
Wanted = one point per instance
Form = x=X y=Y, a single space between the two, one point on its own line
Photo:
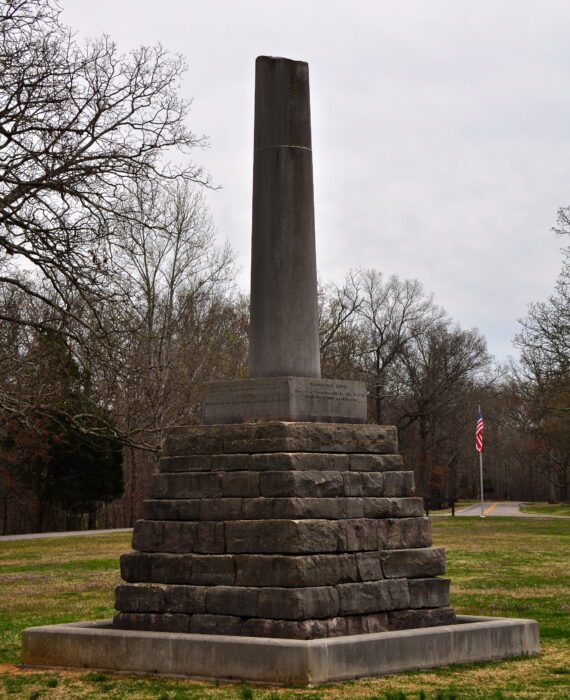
x=284 y=515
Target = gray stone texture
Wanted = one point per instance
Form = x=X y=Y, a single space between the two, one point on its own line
x=413 y=563
x=284 y=312
x=265 y=536
x=278 y=436
x=429 y=592
x=283 y=461
x=412 y=619
x=286 y=399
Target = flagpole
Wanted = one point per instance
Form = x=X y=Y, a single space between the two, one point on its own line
x=481 y=474
x=481 y=470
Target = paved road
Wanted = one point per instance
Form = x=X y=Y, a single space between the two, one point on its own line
x=37 y=535
x=501 y=508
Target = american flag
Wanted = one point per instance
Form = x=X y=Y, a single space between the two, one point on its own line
x=479 y=432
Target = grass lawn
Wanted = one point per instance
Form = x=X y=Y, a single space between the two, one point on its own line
x=546 y=508
x=513 y=567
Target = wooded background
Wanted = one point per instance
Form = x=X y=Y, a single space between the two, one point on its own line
x=118 y=303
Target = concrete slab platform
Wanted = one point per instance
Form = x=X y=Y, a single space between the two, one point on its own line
x=97 y=645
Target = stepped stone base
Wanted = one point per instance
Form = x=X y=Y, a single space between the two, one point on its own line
x=282 y=529
x=98 y=645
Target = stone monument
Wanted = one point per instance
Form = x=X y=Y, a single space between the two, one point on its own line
x=286 y=516
x=282 y=541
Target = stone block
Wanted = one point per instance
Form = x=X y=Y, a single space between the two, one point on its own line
x=304 y=484
x=213 y=570
x=281 y=536
x=404 y=533
x=161 y=567
x=357 y=534
x=376 y=463
x=364 y=483
x=392 y=507
x=295 y=508
x=294 y=571
x=187 y=485
x=186 y=599
x=365 y=624
x=216 y=624
x=369 y=566
x=288 y=629
x=148 y=535
x=186 y=463
x=156 y=568
x=156 y=622
x=373 y=596
x=172 y=509
x=222 y=509
x=241 y=484
x=398 y=484
x=284 y=399
x=412 y=619
x=429 y=592
x=140 y=597
x=249 y=438
x=281 y=461
x=233 y=600
x=179 y=537
x=413 y=563
x=298 y=603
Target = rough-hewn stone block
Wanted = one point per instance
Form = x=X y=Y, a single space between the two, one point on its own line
x=398 y=484
x=410 y=619
x=216 y=624
x=404 y=533
x=316 y=629
x=298 y=603
x=373 y=596
x=140 y=597
x=187 y=485
x=429 y=592
x=213 y=570
x=281 y=461
x=376 y=463
x=294 y=571
x=186 y=463
x=369 y=566
x=241 y=484
x=186 y=599
x=358 y=534
x=232 y=600
x=161 y=567
x=288 y=629
x=278 y=436
x=179 y=537
x=172 y=509
x=158 y=622
x=304 y=483
x=365 y=624
x=281 y=536
x=392 y=507
x=413 y=563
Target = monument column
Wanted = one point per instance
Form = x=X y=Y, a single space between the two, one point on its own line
x=284 y=337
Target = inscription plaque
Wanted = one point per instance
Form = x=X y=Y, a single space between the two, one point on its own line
x=285 y=398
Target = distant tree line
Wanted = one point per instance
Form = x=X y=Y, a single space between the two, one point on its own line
x=117 y=304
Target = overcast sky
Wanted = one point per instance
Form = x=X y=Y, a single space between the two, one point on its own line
x=441 y=132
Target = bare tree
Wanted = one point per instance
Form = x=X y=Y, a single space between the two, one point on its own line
x=81 y=125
